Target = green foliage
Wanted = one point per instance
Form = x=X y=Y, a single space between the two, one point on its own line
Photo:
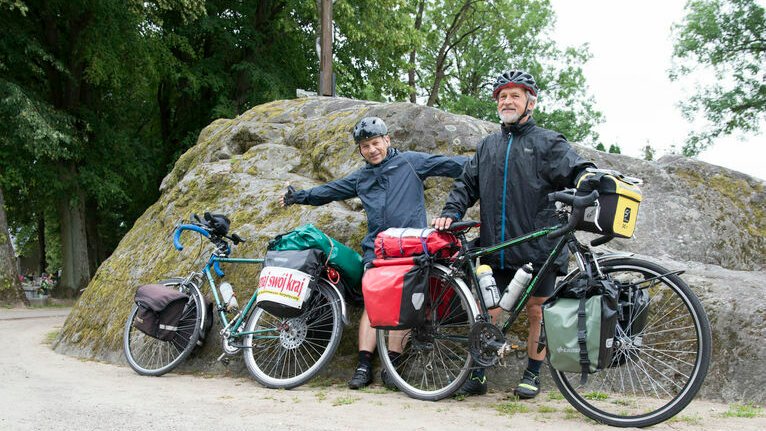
x=468 y=43
x=600 y=147
x=99 y=98
x=725 y=37
x=648 y=152
x=614 y=149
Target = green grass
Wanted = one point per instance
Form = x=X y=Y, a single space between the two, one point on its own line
x=738 y=410
x=320 y=382
x=555 y=396
x=599 y=396
x=321 y=395
x=511 y=408
x=546 y=409
x=571 y=413
x=344 y=401
x=51 y=336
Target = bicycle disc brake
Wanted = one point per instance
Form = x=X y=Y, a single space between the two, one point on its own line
x=485 y=339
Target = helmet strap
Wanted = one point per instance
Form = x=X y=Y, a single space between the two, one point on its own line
x=524 y=115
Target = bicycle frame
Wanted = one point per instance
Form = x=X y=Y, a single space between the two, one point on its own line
x=470 y=255
x=216 y=258
x=239 y=318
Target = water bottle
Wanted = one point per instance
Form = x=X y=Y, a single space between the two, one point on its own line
x=487 y=286
x=520 y=282
x=227 y=295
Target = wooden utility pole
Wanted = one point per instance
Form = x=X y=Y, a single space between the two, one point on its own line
x=326 y=75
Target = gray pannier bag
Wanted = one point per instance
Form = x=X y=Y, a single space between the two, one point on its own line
x=160 y=308
x=579 y=326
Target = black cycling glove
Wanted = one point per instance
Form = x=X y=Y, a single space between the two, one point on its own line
x=290 y=196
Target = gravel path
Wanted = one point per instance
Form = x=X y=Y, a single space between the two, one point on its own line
x=43 y=390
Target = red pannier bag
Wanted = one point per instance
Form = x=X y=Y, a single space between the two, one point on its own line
x=394 y=292
x=405 y=242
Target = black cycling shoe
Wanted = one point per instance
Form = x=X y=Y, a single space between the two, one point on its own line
x=387 y=380
x=475 y=385
x=361 y=378
x=529 y=386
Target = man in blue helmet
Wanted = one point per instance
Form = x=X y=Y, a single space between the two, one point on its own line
x=390 y=186
x=512 y=173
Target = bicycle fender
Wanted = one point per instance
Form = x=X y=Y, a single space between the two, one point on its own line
x=343 y=312
x=183 y=227
x=602 y=258
x=461 y=284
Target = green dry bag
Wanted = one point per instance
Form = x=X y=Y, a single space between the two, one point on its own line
x=344 y=259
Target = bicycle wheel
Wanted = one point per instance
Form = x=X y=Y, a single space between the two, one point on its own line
x=149 y=356
x=288 y=352
x=435 y=357
x=661 y=354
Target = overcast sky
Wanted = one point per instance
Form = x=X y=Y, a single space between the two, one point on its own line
x=628 y=75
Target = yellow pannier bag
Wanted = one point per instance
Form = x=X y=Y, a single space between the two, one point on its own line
x=617 y=209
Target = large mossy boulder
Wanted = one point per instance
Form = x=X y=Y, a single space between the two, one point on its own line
x=696 y=216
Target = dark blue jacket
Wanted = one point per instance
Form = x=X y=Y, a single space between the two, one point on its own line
x=391 y=192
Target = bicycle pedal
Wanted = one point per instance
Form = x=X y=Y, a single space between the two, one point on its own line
x=224 y=359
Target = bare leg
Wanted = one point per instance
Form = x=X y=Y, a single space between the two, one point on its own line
x=367 y=334
x=535 y=316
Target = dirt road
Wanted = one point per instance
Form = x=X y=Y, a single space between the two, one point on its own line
x=43 y=390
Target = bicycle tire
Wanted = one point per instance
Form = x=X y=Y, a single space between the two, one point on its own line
x=149 y=356
x=288 y=352
x=435 y=359
x=656 y=372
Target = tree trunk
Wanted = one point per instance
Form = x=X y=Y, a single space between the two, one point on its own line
x=41 y=240
x=96 y=253
x=75 y=273
x=411 y=71
x=10 y=286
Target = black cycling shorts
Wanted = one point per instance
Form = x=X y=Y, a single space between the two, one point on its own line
x=544 y=287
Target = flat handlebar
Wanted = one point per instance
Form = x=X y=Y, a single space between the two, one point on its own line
x=578 y=203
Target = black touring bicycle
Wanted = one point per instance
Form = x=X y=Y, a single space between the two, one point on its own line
x=652 y=337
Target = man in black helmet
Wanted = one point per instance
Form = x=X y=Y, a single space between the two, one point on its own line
x=390 y=186
x=512 y=173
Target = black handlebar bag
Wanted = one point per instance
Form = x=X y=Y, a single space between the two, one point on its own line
x=287 y=279
x=160 y=308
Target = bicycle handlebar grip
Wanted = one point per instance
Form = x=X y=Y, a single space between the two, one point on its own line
x=183 y=227
x=579 y=203
x=217 y=268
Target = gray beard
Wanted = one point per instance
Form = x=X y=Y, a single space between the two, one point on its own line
x=509 y=118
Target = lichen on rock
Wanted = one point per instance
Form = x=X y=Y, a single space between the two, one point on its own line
x=691 y=212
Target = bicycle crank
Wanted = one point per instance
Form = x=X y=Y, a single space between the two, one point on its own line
x=487 y=344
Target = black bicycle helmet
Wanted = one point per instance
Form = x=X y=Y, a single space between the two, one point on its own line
x=369 y=127
x=515 y=78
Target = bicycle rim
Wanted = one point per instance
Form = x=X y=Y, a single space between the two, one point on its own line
x=656 y=371
x=153 y=357
x=285 y=353
x=435 y=358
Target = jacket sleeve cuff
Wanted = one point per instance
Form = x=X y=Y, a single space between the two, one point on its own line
x=451 y=214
